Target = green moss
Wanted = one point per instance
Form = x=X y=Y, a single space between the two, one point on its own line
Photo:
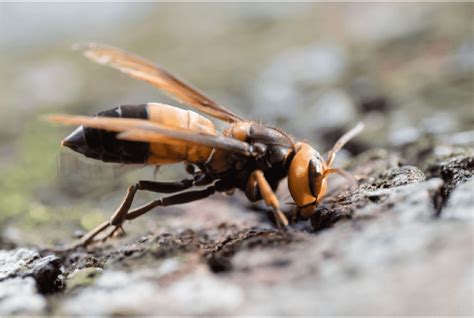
x=33 y=170
x=91 y=219
x=82 y=278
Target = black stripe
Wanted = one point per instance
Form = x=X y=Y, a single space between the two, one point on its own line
x=105 y=146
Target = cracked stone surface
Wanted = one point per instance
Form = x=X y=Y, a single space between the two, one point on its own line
x=364 y=253
x=25 y=277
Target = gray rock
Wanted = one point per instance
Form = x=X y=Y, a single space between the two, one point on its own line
x=370 y=248
x=24 y=277
x=208 y=294
x=461 y=203
x=18 y=296
x=454 y=169
x=114 y=292
x=368 y=265
x=167 y=289
x=396 y=177
x=13 y=262
x=22 y=263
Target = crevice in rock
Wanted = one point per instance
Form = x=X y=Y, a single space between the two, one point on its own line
x=46 y=271
x=453 y=171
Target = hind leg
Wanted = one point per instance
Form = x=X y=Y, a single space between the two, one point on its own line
x=120 y=215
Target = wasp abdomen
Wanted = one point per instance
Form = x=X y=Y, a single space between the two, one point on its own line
x=173 y=151
x=103 y=145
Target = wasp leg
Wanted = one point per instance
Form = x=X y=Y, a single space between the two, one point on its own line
x=89 y=237
x=155 y=186
x=269 y=196
x=165 y=187
x=120 y=214
x=116 y=219
x=179 y=198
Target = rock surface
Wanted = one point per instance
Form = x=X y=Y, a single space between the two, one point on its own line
x=25 y=277
x=388 y=237
x=399 y=244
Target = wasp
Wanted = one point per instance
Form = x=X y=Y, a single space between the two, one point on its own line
x=247 y=155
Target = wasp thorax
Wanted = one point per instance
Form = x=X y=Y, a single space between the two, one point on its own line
x=259 y=149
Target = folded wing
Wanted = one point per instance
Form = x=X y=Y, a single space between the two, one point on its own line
x=146 y=131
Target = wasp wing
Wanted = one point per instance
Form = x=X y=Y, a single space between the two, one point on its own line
x=142 y=69
x=147 y=131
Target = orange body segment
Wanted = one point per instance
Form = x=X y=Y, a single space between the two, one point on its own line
x=178 y=151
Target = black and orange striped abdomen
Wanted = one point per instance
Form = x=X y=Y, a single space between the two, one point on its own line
x=103 y=145
x=174 y=117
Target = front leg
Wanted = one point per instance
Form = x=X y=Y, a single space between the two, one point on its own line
x=257 y=179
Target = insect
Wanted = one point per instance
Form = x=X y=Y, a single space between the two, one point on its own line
x=246 y=155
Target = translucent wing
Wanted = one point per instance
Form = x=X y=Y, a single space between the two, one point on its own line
x=139 y=68
x=146 y=131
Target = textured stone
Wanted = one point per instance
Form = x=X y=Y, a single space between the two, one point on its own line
x=18 y=296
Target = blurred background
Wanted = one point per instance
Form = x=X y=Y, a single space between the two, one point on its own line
x=405 y=69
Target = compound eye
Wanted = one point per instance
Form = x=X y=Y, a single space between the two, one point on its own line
x=315 y=177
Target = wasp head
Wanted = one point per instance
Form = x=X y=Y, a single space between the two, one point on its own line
x=308 y=173
x=306 y=178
